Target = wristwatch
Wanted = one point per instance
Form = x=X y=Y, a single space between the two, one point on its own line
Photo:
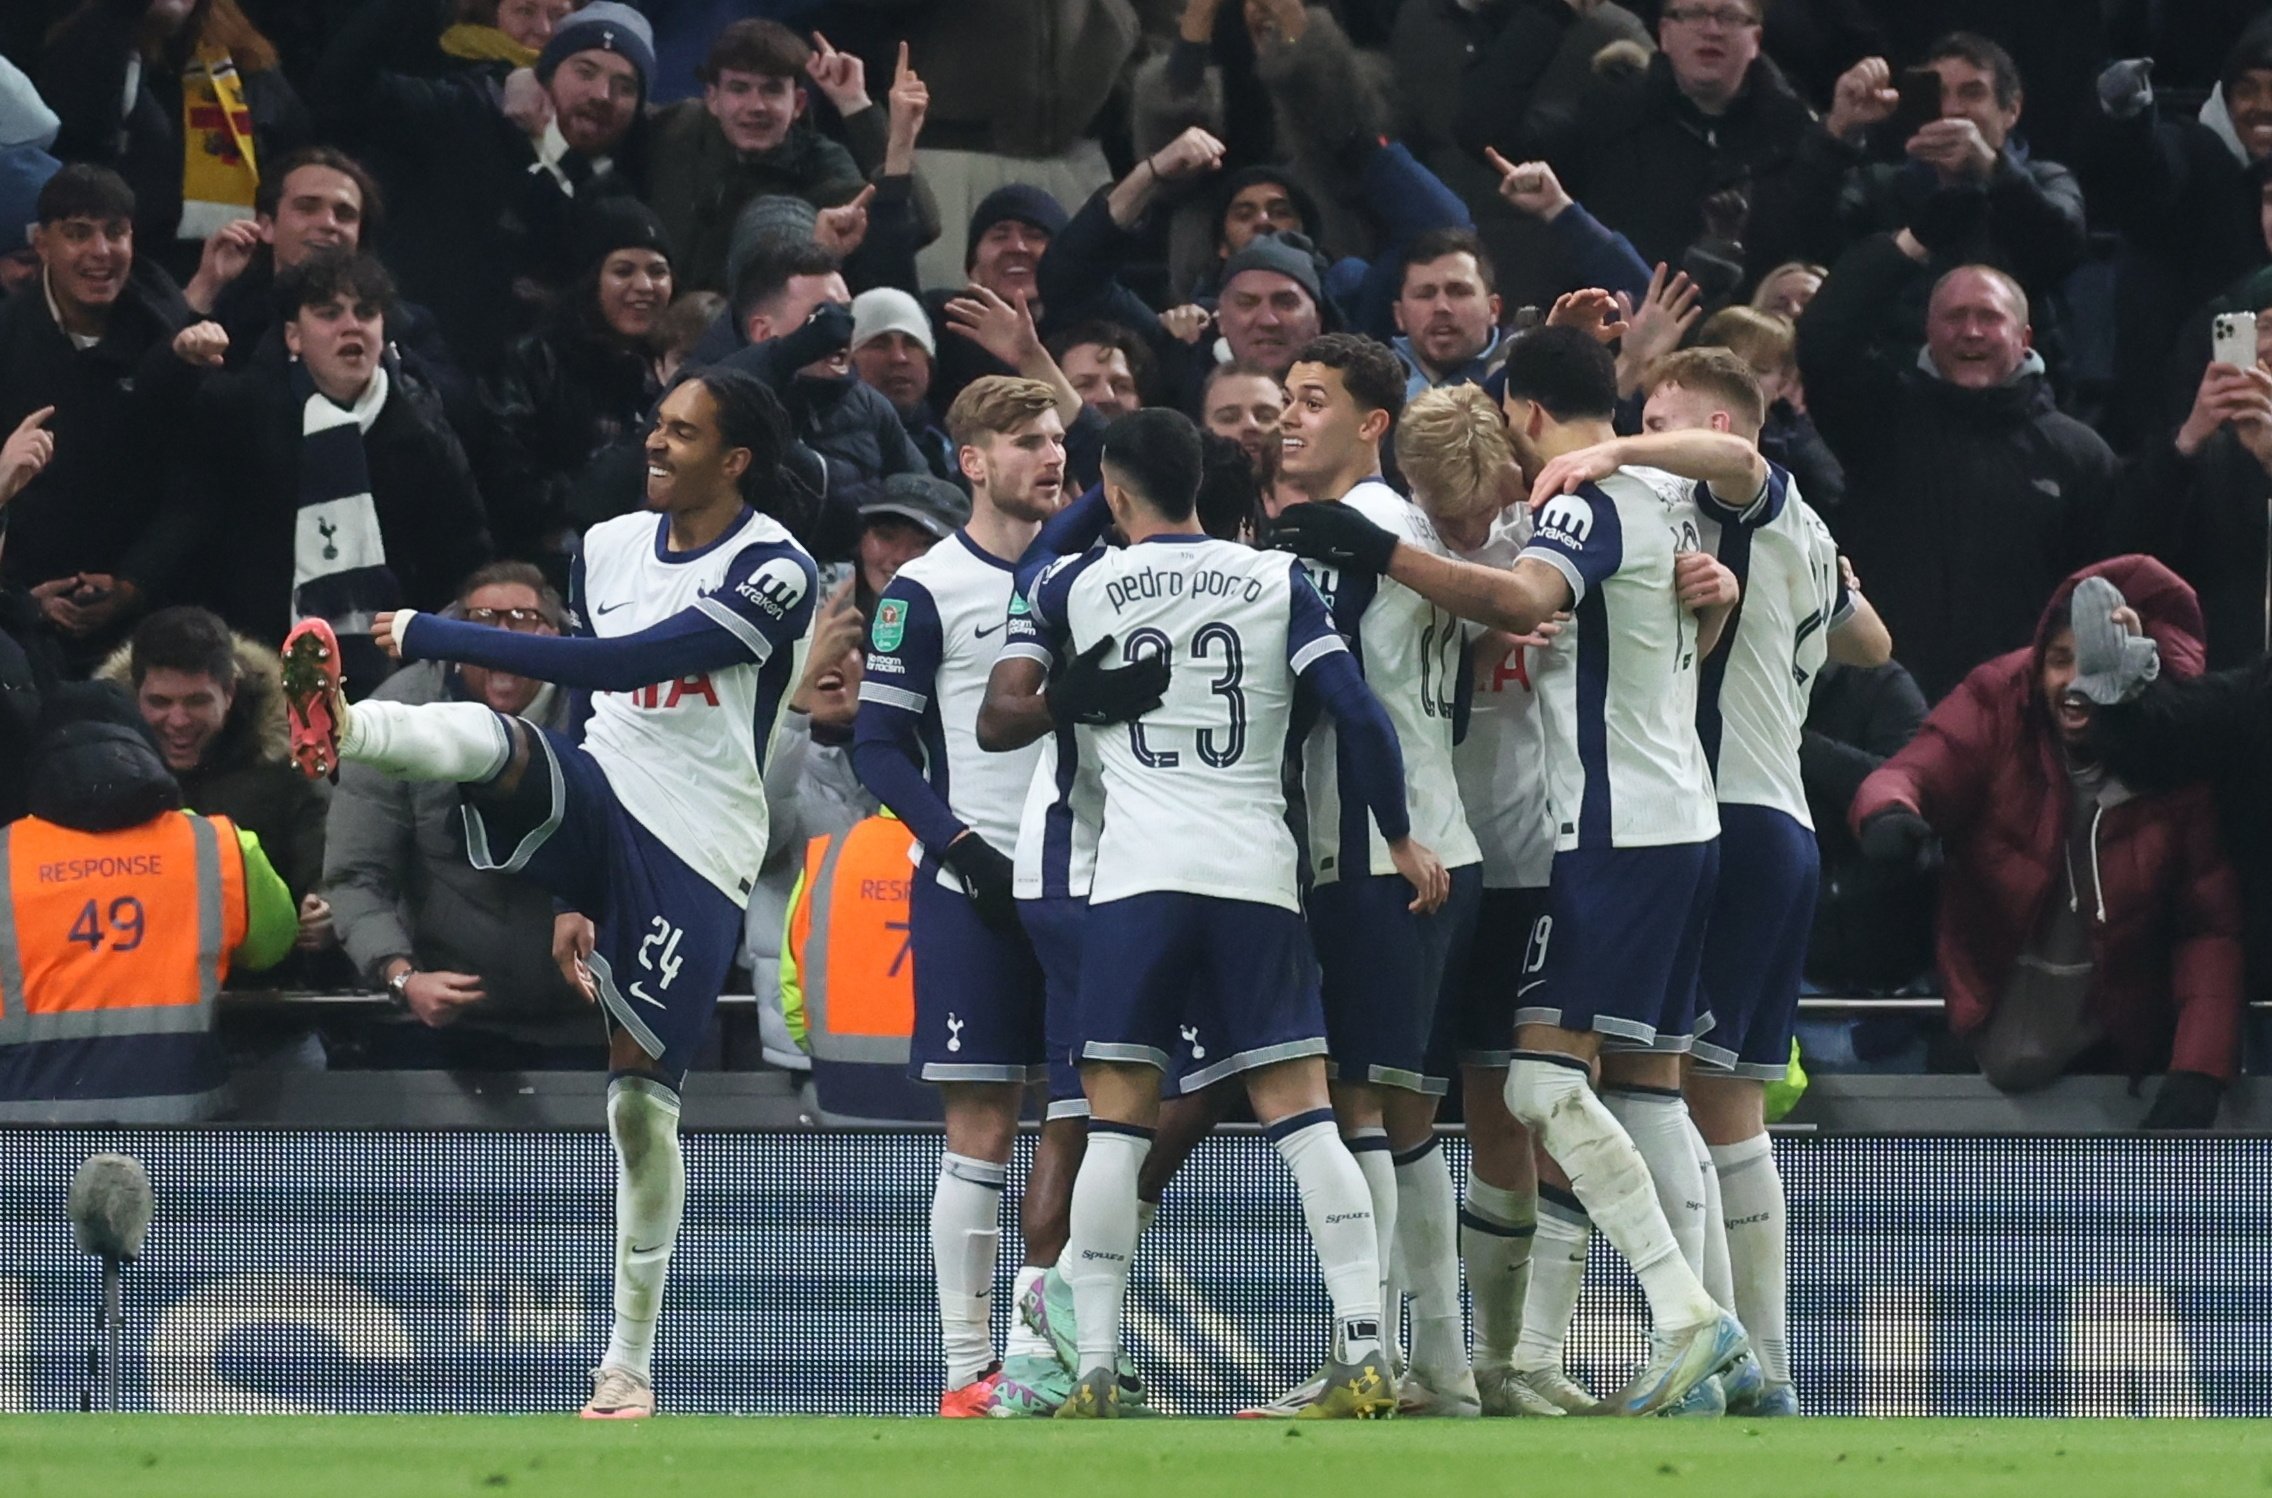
x=399 y=986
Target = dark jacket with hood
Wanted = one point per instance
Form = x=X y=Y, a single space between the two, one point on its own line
x=247 y=774
x=1964 y=508
x=98 y=506
x=1989 y=773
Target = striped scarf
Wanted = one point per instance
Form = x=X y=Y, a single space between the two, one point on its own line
x=220 y=170
x=339 y=558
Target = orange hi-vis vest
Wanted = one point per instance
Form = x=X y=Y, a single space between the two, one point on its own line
x=113 y=946
x=849 y=968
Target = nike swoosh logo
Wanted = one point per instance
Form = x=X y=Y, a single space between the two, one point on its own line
x=983 y=633
x=1526 y=988
x=642 y=996
x=609 y=608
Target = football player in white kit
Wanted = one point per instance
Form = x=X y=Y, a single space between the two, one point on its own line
x=1611 y=967
x=1702 y=423
x=1194 y=915
x=1384 y=958
x=1452 y=447
x=982 y=1020
x=651 y=822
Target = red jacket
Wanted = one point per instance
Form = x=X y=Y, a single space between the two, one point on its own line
x=1986 y=773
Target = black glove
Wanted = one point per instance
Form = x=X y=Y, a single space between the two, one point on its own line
x=987 y=875
x=1090 y=692
x=1334 y=534
x=827 y=331
x=1950 y=220
x=1899 y=837
x=2187 y=1100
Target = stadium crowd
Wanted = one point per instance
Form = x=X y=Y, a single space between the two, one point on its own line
x=493 y=234
x=337 y=310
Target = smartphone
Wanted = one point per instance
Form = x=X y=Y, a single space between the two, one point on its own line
x=1920 y=103
x=2232 y=339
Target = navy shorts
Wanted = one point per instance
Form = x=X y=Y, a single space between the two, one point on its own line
x=1475 y=1026
x=1384 y=974
x=1755 y=950
x=665 y=937
x=1217 y=986
x=1054 y=924
x=979 y=992
x=1618 y=950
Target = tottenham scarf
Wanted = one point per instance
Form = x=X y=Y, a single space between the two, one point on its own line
x=339 y=558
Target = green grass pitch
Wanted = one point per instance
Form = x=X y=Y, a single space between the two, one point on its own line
x=74 y=1456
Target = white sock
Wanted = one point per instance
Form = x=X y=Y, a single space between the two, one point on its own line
x=1427 y=1236
x=1719 y=1280
x=1495 y=1231
x=1752 y=1190
x=1103 y=1240
x=1657 y=1122
x=966 y=1235
x=461 y=741
x=1023 y=1341
x=650 y=1198
x=1370 y=1146
x=1557 y=1279
x=1147 y=1213
x=1550 y=1095
x=1338 y=1207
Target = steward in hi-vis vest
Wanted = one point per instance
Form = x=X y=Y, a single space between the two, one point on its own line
x=848 y=974
x=124 y=915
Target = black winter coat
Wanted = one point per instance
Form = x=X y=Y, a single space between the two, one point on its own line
x=2208 y=517
x=1873 y=923
x=2217 y=728
x=1964 y=508
x=1637 y=153
x=475 y=233
x=243 y=474
x=99 y=506
x=562 y=397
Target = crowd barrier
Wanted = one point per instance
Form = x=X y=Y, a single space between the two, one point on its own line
x=385 y=1271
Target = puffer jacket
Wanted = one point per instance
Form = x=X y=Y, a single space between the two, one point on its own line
x=562 y=396
x=1987 y=773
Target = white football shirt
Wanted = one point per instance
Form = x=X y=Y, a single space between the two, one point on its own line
x=938 y=629
x=1502 y=762
x=1752 y=700
x=1192 y=796
x=1625 y=768
x=1412 y=655
x=686 y=758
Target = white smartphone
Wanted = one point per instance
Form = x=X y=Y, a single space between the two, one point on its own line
x=2232 y=339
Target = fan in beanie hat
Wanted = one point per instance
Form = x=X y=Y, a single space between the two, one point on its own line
x=602 y=26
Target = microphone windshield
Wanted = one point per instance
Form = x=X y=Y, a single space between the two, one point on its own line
x=110 y=1206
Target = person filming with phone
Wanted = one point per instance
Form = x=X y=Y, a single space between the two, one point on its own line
x=2203 y=493
x=1964 y=182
